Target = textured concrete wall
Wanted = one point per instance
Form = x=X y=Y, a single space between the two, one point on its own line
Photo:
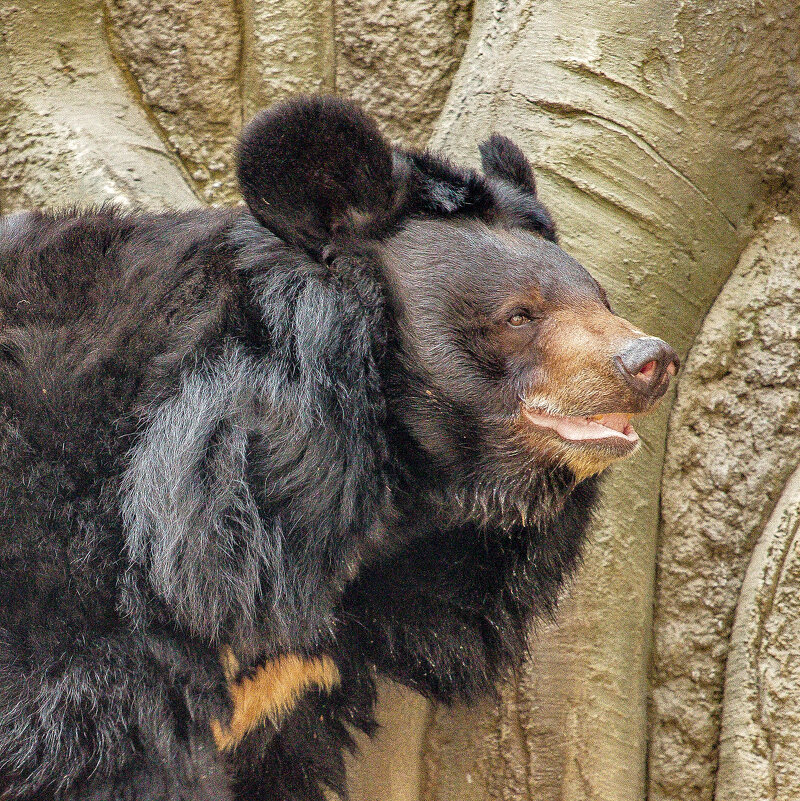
x=182 y=61
x=734 y=442
x=398 y=58
x=761 y=709
x=71 y=130
x=153 y=94
x=665 y=135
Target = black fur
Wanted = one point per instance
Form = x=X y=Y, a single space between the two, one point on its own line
x=501 y=158
x=314 y=168
x=213 y=434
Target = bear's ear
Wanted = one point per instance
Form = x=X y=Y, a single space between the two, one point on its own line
x=501 y=158
x=313 y=168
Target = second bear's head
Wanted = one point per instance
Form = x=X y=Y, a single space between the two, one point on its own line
x=505 y=355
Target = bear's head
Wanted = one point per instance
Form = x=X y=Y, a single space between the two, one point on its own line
x=505 y=359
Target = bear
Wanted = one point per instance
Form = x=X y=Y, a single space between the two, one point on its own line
x=252 y=458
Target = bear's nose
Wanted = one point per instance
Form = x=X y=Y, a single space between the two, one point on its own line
x=647 y=364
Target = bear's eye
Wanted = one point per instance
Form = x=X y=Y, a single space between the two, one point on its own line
x=518 y=318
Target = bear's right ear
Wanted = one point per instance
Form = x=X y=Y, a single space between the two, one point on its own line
x=314 y=168
x=501 y=158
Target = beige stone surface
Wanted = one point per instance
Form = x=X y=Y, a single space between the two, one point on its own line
x=761 y=704
x=398 y=57
x=184 y=59
x=70 y=128
x=403 y=717
x=288 y=47
x=201 y=67
x=734 y=441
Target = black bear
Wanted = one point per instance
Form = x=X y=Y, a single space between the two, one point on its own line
x=251 y=457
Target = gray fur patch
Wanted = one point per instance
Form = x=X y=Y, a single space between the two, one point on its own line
x=189 y=513
x=449 y=198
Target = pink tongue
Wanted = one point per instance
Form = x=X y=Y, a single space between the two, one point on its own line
x=577 y=429
x=619 y=422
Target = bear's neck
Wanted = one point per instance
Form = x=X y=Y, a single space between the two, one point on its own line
x=429 y=495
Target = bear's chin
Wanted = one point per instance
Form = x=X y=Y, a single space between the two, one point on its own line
x=585 y=444
x=530 y=495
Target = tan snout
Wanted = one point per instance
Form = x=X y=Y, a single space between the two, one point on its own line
x=596 y=362
x=597 y=372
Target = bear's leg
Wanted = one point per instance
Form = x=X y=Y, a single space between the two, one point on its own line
x=117 y=716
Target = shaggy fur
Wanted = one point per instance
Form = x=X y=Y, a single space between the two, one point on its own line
x=237 y=432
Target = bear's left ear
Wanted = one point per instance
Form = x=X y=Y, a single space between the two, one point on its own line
x=501 y=158
x=314 y=168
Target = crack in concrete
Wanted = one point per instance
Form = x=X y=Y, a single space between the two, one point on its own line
x=587 y=71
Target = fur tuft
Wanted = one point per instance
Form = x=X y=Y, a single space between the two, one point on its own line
x=431 y=185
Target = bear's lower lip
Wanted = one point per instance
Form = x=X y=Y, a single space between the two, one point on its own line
x=614 y=430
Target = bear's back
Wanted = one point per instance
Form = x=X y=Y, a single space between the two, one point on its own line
x=98 y=311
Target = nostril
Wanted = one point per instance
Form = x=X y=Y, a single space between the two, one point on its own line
x=647 y=370
x=647 y=363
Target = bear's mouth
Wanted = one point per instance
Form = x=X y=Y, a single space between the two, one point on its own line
x=610 y=431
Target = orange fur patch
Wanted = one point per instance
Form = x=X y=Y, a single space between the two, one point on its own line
x=272 y=691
